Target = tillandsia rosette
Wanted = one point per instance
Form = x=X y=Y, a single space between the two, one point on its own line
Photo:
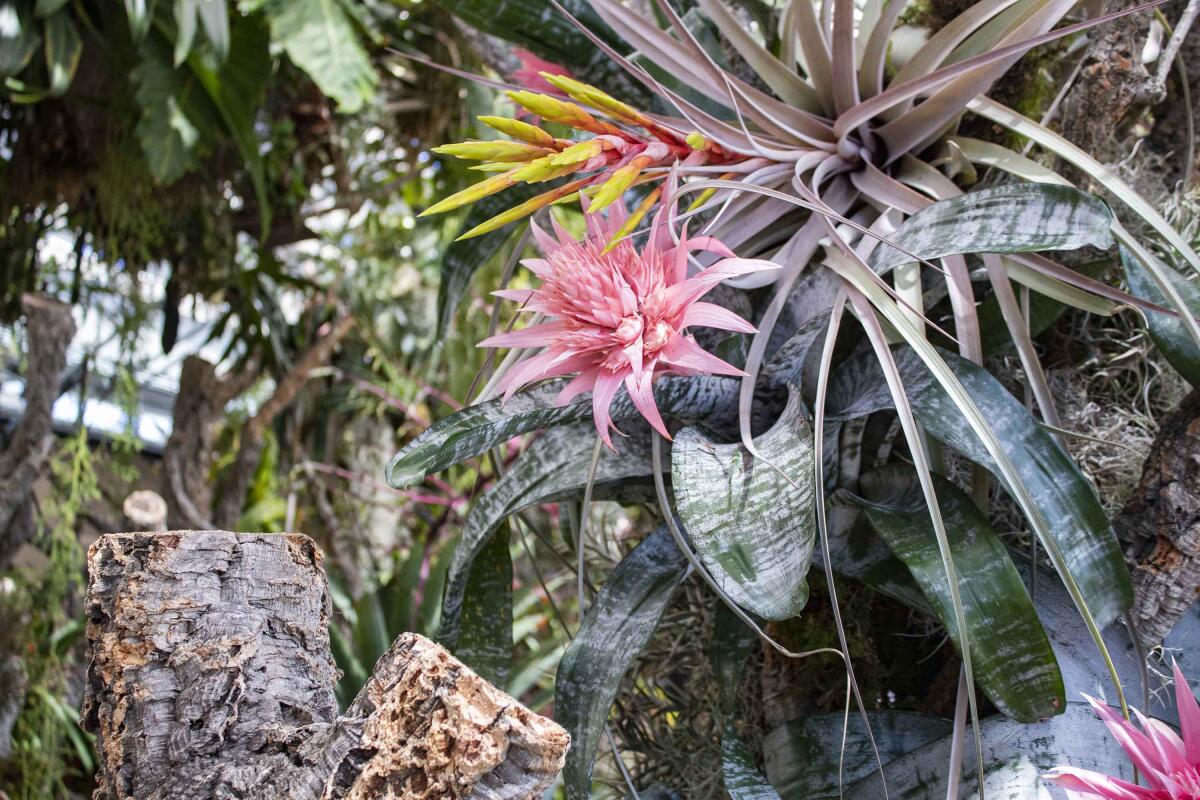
x=832 y=181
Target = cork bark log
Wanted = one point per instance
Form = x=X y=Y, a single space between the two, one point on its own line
x=210 y=678
x=1161 y=525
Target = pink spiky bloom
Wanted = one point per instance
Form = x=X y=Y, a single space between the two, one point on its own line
x=620 y=317
x=529 y=75
x=1169 y=764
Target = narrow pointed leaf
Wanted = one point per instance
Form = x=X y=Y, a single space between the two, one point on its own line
x=1019 y=218
x=475 y=429
x=1011 y=654
x=743 y=781
x=750 y=526
x=616 y=629
x=1170 y=335
x=63 y=49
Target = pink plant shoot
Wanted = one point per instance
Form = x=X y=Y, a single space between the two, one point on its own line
x=1169 y=764
x=616 y=315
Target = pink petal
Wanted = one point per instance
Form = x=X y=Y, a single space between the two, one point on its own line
x=538 y=266
x=533 y=336
x=1166 y=744
x=641 y=391
x=681 y=351
x=544 y=241
x=516 y=295
x=1189 y=717
x=583 y=382
x=1136 y=744
x=710 y=244
x=606 y=387
x=710 y=315
x=683 y=294
x=543 y=365
x=595 y=222
x=561 y=232
x=1103 y=786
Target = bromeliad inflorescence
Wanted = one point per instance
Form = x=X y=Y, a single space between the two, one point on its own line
x=622 y=144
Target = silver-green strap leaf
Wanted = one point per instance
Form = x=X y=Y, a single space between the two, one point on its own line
x=475 y=429
x=743 y=781
x=1017 y=218
x=1010 y=652
x=485 y=643
x=554 y=467
x=617 y=627
x=1169 y=333
x=1075 y=518
x=751 y=526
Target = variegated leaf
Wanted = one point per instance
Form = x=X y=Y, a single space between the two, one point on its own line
x=554 y=467
x=1064 y=497
x=751 y=527
x=1017 y=218
x=1010 y=652
x=617 y=626
x=1169 y=333
x=473 y=430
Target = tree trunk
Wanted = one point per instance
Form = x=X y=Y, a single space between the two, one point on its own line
x=210 y=676
x=1161 y=524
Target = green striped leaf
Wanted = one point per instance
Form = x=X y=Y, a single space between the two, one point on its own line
x=743 y=781
x=1010 y=652
x=1169 y=333
x=555 y=467
x=475 y=429
x=486 y=641
x=1018 y=218
x=752 y=528
x=1061 y=492
x=617 y=627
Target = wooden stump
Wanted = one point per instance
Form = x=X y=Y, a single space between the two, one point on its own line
x=211 y=677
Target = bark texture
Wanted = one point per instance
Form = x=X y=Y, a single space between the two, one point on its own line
x=211 y=677
x=1161 y=525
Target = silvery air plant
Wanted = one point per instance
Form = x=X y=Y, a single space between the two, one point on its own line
x=782 y=301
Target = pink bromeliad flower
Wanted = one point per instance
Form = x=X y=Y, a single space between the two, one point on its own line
x=1171 y=765
x=620 y=317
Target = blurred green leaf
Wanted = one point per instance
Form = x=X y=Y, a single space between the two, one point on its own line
x=320 y=39
x=743 y=781
x=63 y=49
x=1169 y=333
x=19 y=38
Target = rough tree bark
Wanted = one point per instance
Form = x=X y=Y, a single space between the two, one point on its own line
x=211 y=677
x=1161 y=524
x=49 y=329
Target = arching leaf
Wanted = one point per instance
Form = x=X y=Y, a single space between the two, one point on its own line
x=1169 y=333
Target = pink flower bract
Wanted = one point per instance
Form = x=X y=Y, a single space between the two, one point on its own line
x=1169 y=764
x=620 y=317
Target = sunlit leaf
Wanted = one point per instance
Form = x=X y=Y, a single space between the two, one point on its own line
x=617 y=626
x=63 y=49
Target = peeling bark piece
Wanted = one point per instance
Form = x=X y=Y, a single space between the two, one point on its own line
x=210 y=676
x=1161 y=525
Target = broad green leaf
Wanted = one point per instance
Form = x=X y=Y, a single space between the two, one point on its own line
x=617 y=626
x=167 y=135
x=19 y=38
x=464 y=257
x=750 y=526
x=63 y=49
x=475 y=429
x=553 y=468
x=803 y=756
x=485 y=643
x=1017 y=218
x=1076 y=521
x=320 y=39
x=1010 y=652
x=1169 y=333
x=743 y=781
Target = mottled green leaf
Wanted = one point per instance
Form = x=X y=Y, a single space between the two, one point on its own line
x=167 y=135
x=485 y=643
x=732 y=642
x=803 y=756
x=617 y=626
x=1010 y=652
x=554 y=467
x=1017 y=218
x=743 y=781
x=320 y=39
x=473 y=430
x=1169 y=333
x=1062 y=494
x=63 y=49
x=751 y=527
